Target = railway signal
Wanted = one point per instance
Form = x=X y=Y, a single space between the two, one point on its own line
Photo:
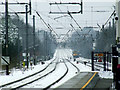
x=99 y=56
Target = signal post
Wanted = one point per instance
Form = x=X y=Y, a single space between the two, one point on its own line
x=117 y=60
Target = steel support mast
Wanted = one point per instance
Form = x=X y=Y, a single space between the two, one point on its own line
x=34 y=40
x=117 y=18
x=6 y=35
x=118 y=26
x=27 y=35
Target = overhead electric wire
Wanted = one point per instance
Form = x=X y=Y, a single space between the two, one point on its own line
x=70 y=24
x=52 y=29
x=60 y=17
x=48 y=26
x=66 y=34
x=99 y=26
x=78 y=32
x=16 y=1
x=107 y=20
x=74 y=29
x=75 y=21
x=55 y=20
x=109 y=17
x=59 y=8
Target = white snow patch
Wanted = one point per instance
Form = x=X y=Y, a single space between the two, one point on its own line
x=106 y=74
x=60 y=54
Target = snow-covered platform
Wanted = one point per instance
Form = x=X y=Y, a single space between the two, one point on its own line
x=87 y=80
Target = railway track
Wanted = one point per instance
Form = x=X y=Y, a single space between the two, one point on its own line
x=63 y=74
x=97 y=67
x=58 y=78
x=82 y=63
x=49 y=69
x=31 y=78
x=36 y=76
x=74 y=65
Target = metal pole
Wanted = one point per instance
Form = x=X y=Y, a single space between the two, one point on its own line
x=27 y=35
x=107 y=60
x=81 y=6
x=92 y=58
x=46 y=44
x=0 y=50
x=50 y=44
x=113 y=23
x=109 y=25
x=118 y=43
x=18 y=41
x=114 y=34
x=34 y=39
x=6 y=35
x=104 y=61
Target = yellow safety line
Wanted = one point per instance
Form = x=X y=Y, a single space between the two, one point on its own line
x=88 y=81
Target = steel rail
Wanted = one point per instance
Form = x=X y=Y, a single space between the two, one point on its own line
x=58 y=79
x=26 y=76
x=35 y=79
x=74 y=65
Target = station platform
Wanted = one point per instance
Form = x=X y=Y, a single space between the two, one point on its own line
x=87 y=80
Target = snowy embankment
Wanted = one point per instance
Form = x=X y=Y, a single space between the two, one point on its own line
x=60 y=54
x=101 y=73
x=17 y=74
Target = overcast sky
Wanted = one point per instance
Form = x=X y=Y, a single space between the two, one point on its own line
x=90 y=16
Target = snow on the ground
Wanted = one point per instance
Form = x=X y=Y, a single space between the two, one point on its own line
x=44 y=82
x=106 y=74
x=18 y=74
x=60 y=54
